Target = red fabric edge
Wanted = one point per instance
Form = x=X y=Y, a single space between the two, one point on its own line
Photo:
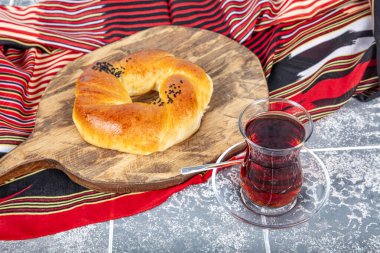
x=21 y=227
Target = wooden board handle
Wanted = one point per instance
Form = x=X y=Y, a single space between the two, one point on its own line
x=23 y=160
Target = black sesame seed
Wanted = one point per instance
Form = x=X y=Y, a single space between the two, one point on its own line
x=108 y=68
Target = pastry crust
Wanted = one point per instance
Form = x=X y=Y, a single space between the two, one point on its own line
x=106 y=116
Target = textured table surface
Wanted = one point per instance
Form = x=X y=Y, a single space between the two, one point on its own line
x=193 y=221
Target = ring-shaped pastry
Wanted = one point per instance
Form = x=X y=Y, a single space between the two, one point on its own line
x=106 y=116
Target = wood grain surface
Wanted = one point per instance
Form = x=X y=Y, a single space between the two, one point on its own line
x=55 y=143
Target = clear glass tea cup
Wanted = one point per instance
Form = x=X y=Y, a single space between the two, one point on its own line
x=271 y=176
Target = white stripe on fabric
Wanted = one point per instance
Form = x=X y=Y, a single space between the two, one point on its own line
x=357 y=26
x=310 y=24
x=4 y=148
x=67 y=46
x=72 y=25
x=74 y=12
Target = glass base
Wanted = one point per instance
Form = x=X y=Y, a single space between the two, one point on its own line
x=268 y=211
x=312 y=197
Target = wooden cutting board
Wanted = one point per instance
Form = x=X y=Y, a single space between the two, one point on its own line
x=55 y=143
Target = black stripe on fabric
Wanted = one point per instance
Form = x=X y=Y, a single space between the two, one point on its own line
x=14 y=83
x=263 y=54
x=10 y=142
x=369 y=72
x=130 y=11
x=133 y=4
x=21 y=134
x=372 y=93
x=212 y=18
x=17 y=119
x=271 y=37
x=328 y=47
x=18 y=102
x=48 y=182
x=13 y=90
x=122 y=32
x=24 y=80
x=286 y=71
x=224 y=31
x=369 y=95
x=17 y=110
x=189 y=5
x=2 y=154
x=335 y=100
x=134 y=15
x=122 y=25
x=200 y=25
x=203 y=11
x=369 y=55
x=11 y=44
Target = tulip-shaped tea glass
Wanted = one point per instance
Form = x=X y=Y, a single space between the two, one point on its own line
x=271 y=175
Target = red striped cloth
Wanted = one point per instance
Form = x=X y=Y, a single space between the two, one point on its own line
x=318 y=53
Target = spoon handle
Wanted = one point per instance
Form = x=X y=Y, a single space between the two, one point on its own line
x=204 y=167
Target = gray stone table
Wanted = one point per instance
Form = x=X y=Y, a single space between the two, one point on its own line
x=348 y=141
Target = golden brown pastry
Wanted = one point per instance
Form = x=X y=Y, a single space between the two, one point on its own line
x=106 y=116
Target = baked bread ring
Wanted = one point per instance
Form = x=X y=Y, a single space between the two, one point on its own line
x=106 y=116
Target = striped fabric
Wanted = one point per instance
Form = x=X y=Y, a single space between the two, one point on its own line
x=318 y=53
x=285 y=35
x=24 y=75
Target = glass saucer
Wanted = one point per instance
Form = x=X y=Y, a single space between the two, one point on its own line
x=313 y=195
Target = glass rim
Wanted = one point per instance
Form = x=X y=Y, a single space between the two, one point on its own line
x=300 y=145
